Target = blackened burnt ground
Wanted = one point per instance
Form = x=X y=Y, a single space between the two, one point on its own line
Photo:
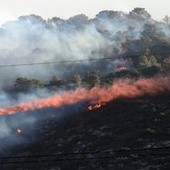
x=107 y=138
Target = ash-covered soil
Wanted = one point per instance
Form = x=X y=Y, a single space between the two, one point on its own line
x=127 y=134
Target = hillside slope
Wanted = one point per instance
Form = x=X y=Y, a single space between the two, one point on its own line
x=107 y=138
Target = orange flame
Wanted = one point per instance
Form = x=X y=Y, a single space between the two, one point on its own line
x=95 y=106
x=122 y=88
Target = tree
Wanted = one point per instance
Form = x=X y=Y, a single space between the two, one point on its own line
x=152 y=31
x=93 y=78
x=143 y=62
x=147 y=61
x=166 y=20
x=166 y=64
x=126 y=74
x=153 y=61
x=77 y=80
x=140 y=13
x=24 y=83
x=56 y=81
x=35 y=19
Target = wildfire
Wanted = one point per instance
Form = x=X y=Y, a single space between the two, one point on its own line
x=122 y=88
x=96 y=106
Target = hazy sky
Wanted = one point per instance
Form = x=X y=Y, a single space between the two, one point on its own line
x=11 y=9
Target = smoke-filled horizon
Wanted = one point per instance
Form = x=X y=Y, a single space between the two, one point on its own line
x=32 y=39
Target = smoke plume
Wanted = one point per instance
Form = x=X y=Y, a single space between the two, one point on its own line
x=31 y=39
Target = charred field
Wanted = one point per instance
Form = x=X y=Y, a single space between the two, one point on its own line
x=85 y=93
x=123 y=134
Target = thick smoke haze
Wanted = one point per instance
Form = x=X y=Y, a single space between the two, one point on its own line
x=31 y=39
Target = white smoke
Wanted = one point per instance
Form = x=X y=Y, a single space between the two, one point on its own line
x=32 y=39
x=4 y=129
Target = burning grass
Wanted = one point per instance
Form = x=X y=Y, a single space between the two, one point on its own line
x=123 y=88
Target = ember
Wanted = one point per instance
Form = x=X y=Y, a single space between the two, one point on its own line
x=96 y=106
x=19 y=130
